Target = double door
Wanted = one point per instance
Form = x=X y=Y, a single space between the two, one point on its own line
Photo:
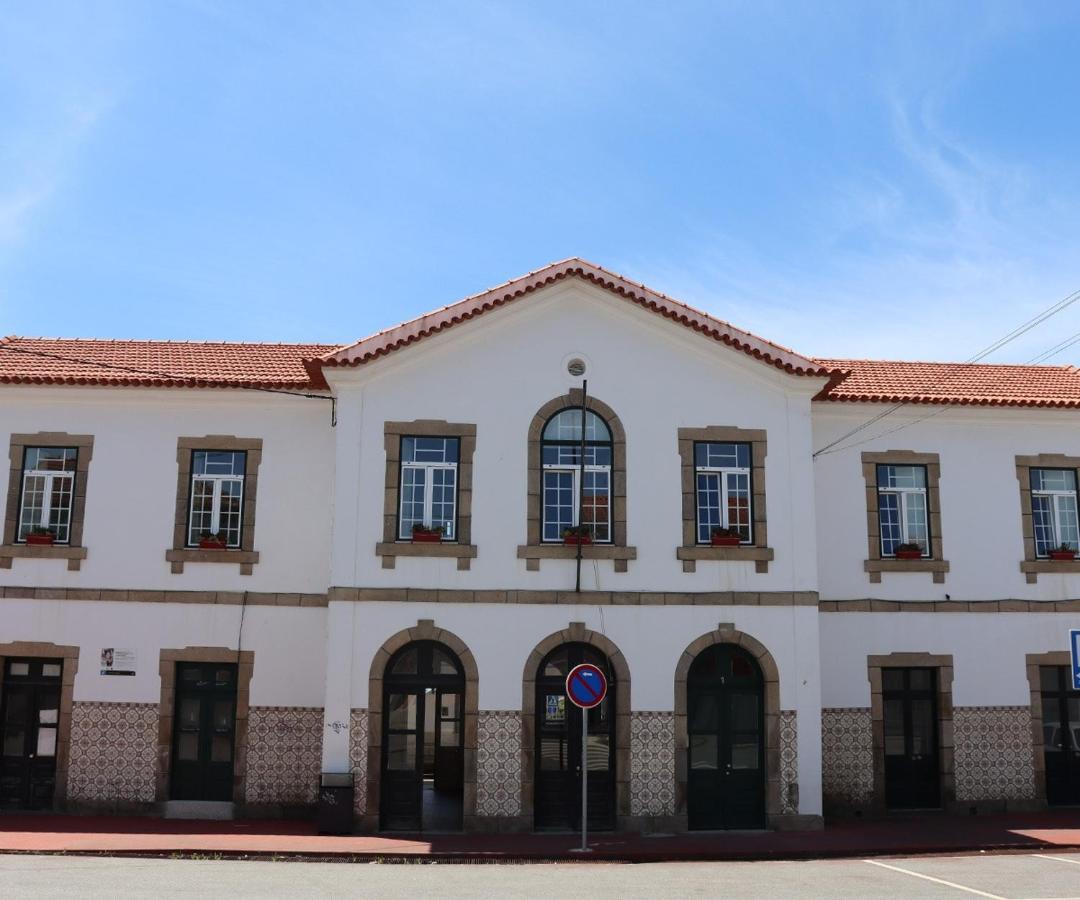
x=912 y=760
x=1061 y=735
x=29 y=732
x=204 y=732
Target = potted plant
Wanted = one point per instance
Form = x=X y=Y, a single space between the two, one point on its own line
x=577 y=534
x=1063 y=553
x=217 y=540
x=725 y=537
x=909 y=551
x=421 y=534
x=41 y=536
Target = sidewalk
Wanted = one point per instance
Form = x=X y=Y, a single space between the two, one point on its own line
x=45 y=833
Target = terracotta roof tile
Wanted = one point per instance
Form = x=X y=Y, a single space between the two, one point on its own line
x=25 y=360
x=976 y=384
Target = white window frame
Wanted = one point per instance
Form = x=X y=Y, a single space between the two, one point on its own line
x=428 y=468
x=215 y=502
x=723 y=472
x=901 y=495
x=50 y=476
x=575 y=473
x=1055 y=496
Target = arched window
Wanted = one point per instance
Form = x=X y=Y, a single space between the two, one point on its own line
x=566 y=502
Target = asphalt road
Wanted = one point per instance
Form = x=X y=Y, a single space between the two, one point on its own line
x=1004 y=877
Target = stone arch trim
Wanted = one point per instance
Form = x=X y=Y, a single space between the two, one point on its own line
x=424 y=630
x=618 y=463
x=576 y=632
x=726 y=634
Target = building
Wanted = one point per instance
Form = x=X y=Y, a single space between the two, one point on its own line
x=238 y=579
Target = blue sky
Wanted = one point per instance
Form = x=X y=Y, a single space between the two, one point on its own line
x=896 y=180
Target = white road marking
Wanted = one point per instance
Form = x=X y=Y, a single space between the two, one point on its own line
x=951 y=884
x=1064 y=859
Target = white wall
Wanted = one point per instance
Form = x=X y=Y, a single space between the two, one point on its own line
x=499 y=370
x=289 y=644
x=131 y=484
x=980 y=499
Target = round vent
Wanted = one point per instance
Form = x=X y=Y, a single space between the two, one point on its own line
x=576 y=367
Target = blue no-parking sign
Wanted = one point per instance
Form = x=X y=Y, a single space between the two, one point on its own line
x=586 y=686
x=1074 y=644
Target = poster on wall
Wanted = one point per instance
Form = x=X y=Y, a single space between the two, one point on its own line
x=116 y=661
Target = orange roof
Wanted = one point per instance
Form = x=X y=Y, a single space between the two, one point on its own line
x=26 y=360
x=384 y=342
x=968 y=384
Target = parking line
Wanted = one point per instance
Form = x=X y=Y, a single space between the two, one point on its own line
x=1064 y=859
x=951 y=884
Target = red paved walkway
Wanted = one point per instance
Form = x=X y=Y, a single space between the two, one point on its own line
x=1056 y=829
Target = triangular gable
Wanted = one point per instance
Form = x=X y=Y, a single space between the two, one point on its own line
x=386 y=342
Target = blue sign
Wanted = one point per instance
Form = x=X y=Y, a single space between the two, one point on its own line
x=586 y=686
x=1074 y=642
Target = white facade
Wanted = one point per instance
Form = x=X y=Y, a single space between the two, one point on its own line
x=320 y=604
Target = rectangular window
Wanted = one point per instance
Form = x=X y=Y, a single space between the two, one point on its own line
x=217 y=496
x=902 y=508
x=723 y=489
x=562 y=495
x=429 y=486
x=48 y=492
x=1054 y=510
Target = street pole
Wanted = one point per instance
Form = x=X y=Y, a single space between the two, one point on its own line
x=584 y=781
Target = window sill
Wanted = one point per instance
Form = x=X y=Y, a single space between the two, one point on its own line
x=533 y=553
x=1033 y=568
x=245 y=558
x=759 y=556
x=464 y=553
x=936 y=567
x=73 y=555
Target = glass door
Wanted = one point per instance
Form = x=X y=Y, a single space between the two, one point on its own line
x=912 y=766
x=29 y=732
x=204 y=732
x=1061 y=735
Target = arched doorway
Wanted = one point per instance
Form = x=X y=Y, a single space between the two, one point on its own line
x=725 y=715
x=423 y=763
x=557 y=775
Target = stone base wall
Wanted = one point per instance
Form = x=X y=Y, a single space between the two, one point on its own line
x=284 y=755
x=113 y=755
x=652 y=764
x=994 y=755
x=847 y=759
x=498 y=764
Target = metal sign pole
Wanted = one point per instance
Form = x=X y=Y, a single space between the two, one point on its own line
x=584 y=781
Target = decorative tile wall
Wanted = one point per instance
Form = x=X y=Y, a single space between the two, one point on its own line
x=789 y=761
x=358 y=744
x=652 y=764
x=993 y=753
x=113 y=752
x=847 y=757
x=498 y=763
x=284 y=754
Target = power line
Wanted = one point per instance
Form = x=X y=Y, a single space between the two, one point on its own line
x=1017 y=332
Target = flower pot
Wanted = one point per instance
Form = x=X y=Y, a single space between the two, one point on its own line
x=1063 y=555
x=211 y=544
x=577 y=539
x=41 y=540
x=909 y=554
x=427 y=537
x=718 y=540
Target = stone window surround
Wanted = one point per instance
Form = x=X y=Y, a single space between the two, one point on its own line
x=180 y=552
x=245 y=665
x=534 y=549
x=73 y=551
x=691 y=551
x=1034 y=661
x=1032 y=566
x=69 y=659
x=462 y=548
x=921 y=660
x=425 y=630
x=576 y=632
x=874 y=565
x=726 y=633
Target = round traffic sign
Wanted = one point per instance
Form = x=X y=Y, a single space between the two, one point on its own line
x=586 y=686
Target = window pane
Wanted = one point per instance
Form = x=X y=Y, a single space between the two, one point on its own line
x=229 y=512
x=51 y=670
x=1067 y=523
x=218 y=462
x=708 y=500
x=566 y=426
x=450 y=733
x=915 y=510
x=202 y=507
x=429 y=449
x=402 y=711
x=442 y=663
x=221 y=748
x=443 y=497
x=401 y=752
x=901 y=476
x=722 y=455
x=413 y=491
x=553 y=753
x=558 y=664
x=745 y=752
x=33 y=504
x=50 y=459
x=1049 y=677
x=738 y=503
x=406 y=663
x=187 y=748
x=1042 y=518
x=554 y=709
x=1053 y=480
x=598 y=753
x=595 y=508
x=703 y=751
x=889 y=518
x=894 y=728
x=558 y=504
